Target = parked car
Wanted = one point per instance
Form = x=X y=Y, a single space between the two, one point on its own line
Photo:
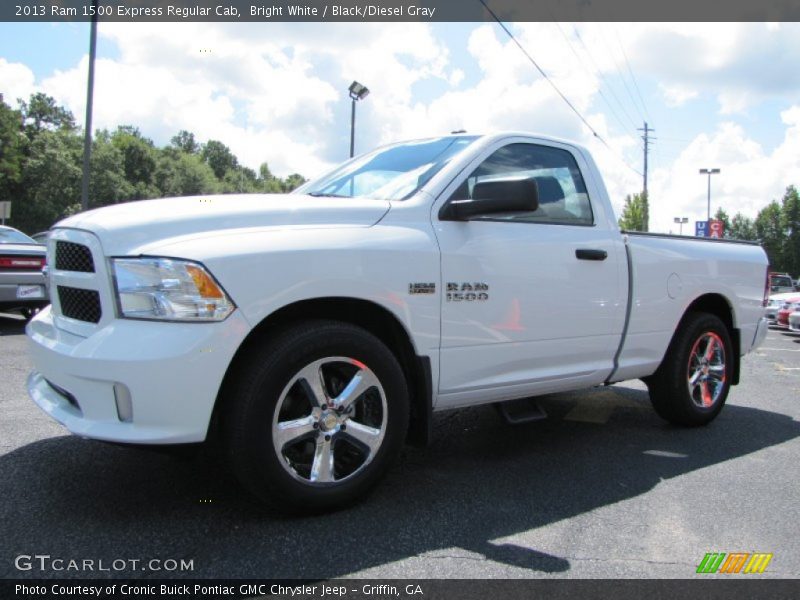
x=22 y=283
x=774 y=303
x=780 y=283
x=790 y=305
x=313 y=333
x=41 y=237
x=794 y=322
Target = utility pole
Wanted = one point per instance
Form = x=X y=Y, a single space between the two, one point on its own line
x=647 y=141
x=87 y=134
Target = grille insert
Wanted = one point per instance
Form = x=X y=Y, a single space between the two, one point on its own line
x=74 y=257
x=83 y=305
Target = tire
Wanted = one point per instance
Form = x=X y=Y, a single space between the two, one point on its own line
x=305 y=447
x=692 y=383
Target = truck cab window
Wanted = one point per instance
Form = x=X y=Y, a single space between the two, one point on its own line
x=563 y=198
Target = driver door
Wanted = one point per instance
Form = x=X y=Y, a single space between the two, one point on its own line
x=524 y=311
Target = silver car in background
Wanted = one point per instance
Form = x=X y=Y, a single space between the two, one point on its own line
x=23 y=287
x=794 y=322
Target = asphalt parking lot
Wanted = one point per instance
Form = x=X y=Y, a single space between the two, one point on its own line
x=602 y=488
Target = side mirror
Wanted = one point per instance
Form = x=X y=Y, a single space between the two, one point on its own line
x=489 y=197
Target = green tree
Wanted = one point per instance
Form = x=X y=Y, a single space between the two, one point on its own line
x=790 y=220
x=769 y=229
x=181 y=174
x=268 y=183
x=634 y=214
x=42 y=113
x=185 y=142
x=51 y=180
x=219 y=157
x=240 y=181
x=138 y=160
x=12 y=151
x=293 y=181
x=721 y=215
x=742 y=228
x=107 y=181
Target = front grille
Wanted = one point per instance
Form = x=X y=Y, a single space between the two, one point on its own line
x=83 y=305
x=74 y=257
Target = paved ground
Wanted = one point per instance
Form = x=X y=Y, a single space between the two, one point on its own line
x=602 y=488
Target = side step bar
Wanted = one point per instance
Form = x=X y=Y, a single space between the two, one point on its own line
x=524 y=410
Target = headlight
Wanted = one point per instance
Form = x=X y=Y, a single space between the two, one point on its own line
x=168 y=289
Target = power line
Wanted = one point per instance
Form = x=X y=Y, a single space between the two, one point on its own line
x=633 y=77
x=597 y=74
x=601 y=76
x=553 y=85
x=620 y=73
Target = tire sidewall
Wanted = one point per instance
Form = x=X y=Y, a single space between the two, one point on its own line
x=266 y=476
x=698 y=327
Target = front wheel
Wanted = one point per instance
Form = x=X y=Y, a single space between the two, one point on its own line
x=317 y=416
x=692 y=383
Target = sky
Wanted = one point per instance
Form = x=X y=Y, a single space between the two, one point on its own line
x=718 y=95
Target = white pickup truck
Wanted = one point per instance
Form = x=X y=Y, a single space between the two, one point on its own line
x=314 y=333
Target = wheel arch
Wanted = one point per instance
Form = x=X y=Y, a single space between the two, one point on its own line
x=720 y=306
x=366 y=314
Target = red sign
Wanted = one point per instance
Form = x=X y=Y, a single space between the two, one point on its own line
x=716 y=229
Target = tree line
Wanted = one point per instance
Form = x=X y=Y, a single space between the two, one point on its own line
x=776 y=227
x=41 y=161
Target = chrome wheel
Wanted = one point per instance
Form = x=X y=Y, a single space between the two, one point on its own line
x=706 y=376
x=330 y=421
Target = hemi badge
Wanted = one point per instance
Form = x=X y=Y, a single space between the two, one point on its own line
x=421 y=288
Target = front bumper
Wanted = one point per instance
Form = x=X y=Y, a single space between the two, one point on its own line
x=133 y=381
x=794 y=322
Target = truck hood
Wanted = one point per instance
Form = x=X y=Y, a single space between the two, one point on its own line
x=133 y=226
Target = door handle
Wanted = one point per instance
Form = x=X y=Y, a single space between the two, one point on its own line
x=590 y=254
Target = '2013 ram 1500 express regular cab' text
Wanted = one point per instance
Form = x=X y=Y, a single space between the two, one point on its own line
x=313 y=333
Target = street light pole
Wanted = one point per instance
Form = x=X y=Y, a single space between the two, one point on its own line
x=357 y=92
x=87 y=134
x=709 y=172
x=681 y=221
x=352 y=126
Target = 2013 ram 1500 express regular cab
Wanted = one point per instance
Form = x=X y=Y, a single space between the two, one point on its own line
x=317 y=331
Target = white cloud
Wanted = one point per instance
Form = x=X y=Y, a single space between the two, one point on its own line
x=677 y=95
x=749 y=177
x=739 y=63
x=278 y=93
x=16 y=81
x=270 y=92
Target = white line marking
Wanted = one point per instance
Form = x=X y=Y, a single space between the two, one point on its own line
x=780 y=349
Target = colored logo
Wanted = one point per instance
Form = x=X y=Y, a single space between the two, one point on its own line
x=734 y=562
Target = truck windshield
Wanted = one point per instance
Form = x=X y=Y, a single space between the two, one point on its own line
x=393 y=172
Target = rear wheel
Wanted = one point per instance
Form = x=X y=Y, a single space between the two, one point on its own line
x=317 y=416
x=692 y=383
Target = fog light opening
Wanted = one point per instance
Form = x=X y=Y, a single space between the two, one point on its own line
x=122 y=398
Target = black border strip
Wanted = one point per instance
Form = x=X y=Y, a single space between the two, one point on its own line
x=260 y=11
x=730 y=587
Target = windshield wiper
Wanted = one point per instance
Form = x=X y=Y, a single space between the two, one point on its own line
x=323 y=195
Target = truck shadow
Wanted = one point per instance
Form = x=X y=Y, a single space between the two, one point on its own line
x=12 y=324
x=480 y=481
